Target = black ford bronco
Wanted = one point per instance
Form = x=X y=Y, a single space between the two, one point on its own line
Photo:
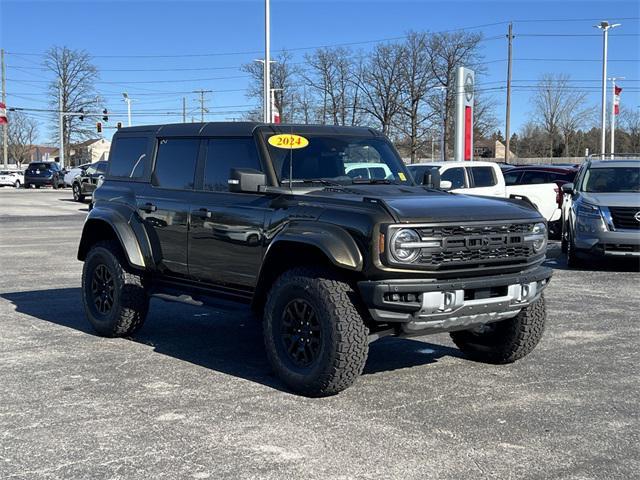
x=323 y=232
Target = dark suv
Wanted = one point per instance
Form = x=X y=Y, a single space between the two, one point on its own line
x=40 y=174
x=267 y=216
x=85 y=183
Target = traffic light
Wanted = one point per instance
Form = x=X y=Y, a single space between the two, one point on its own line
x=105 y=114
x=81 y=112
x=99 y=127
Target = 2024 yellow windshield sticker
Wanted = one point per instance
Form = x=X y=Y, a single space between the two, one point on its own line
x=288 y=141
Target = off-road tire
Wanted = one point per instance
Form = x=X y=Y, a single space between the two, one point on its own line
x=77 y=193
x=130 y=300
x=505 y=341
x=344 y=336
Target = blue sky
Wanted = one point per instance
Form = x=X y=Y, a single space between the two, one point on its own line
x=228 y=34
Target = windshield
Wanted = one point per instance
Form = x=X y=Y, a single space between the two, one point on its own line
x=340 y=159
x=612 y=180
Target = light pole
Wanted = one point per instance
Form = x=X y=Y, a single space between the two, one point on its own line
x=443 y=92
x=267 y=62
x=128 y=100
x=266 y=116
x=604 y=26
x=613 y=115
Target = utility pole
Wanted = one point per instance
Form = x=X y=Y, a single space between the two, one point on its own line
x=604 y=26
x=612 y=148
x=443 y=154
x=128 y=100
x=202 y=109
x=267 y=63
x=61 y=119
x=5 y=128
x=184 y=110
x=507 y=128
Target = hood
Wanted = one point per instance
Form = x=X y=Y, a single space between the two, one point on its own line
x=418 y=204
x=629 y=199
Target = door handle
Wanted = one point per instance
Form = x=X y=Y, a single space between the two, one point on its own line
x=148 y=207
x=202 y=213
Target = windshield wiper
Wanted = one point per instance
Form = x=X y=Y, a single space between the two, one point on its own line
x=372 y=181
x=307 y=181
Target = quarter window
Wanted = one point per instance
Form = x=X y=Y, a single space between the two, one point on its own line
x=128 y=157
x=511 y=178
x=223 y=154
x=176 y=163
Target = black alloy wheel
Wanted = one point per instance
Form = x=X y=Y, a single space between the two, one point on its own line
x=300 y=333
x=102 y=289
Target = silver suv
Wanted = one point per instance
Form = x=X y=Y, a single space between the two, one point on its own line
x=601 y=211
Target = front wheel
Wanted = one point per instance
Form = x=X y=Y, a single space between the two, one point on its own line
x=573 y=260
x=77 y=193
x=315 y=338
x=505 y=341
x=115 y=300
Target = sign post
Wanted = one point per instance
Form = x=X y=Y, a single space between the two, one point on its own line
x=465 y=86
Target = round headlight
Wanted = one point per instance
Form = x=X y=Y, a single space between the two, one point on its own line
x=540 y=234
x=401 y=247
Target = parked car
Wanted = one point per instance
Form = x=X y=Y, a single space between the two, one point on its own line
x=73 y=173
x=487 y=179
x=11 y=178
x=40 y=174
x=368 y=170
x=601 y=212
x=232 y=214
x=535 y=174
x=85 y=184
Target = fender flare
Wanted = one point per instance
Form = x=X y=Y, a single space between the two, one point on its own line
x=335 y=242
x=137 y=252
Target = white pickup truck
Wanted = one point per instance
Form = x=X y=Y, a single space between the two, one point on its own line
x=486 y=179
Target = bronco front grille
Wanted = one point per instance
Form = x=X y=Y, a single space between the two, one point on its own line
x=474 y=246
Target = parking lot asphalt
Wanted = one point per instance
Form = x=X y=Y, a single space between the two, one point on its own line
x=192 y=396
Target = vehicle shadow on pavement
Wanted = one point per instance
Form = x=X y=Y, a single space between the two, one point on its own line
x=226 y=341
x=596 y=264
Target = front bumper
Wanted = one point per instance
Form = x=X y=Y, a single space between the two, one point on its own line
x=432 y=306
x=619 y=243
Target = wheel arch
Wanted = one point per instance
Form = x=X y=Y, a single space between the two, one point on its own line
x=101 y=226
x=310 y=244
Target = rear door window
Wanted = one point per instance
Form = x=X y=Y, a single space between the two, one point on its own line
x=175 y=165
x=128 y=157
x=483 y=177
x=456 y=176
x=533 y=177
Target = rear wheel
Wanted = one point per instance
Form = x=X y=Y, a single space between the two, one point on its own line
x=505 y=341
x=77 y=193
x=115 y=300
x=17 y=184
x=315 y=338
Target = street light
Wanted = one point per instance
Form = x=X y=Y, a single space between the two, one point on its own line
x=267 y=62
x=128 y=100
x=266 y=107
x=604 y=26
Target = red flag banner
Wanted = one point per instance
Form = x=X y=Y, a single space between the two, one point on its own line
x=616 y=99
x=3 y=114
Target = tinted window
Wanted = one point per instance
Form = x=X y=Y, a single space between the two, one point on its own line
x=223 y=154
x=483 y=176
x=358 y=173
x=529 y=178
x=176 y=163
x=128 y=157
x=378 y=172
x=455 y=176
x=40 y=166
x=511 y=178
x=102 y=167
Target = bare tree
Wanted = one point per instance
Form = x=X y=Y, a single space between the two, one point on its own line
x=331 y=73
x=630 y=122
x=380 y=83
x=75 y=75
x=484 y=116
x=558 y=107
x=21 y=135
x=417 y=80
x=283 y=80
x=447 y=52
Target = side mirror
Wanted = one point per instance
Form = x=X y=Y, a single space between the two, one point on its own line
x=568 y=188
x=445 y=184
x=431 y=178
x=246 y=180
